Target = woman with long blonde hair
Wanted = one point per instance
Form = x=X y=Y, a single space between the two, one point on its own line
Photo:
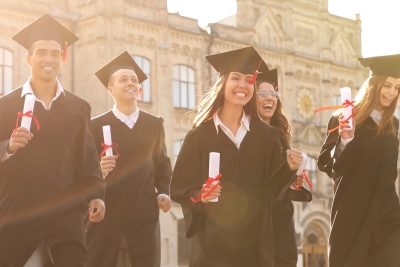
x=236 y=231
x=362 y=160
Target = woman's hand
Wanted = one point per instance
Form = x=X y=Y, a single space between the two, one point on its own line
x=294 y=158
x=299 y=181
x=344 y=129
x=213 y=195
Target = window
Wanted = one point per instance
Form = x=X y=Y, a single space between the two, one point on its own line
x=336 y=100
x=177 y=147
x=144 y=64
x=6 y=71
x=311 y=170
x=183 y=86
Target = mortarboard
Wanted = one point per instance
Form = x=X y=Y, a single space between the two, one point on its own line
x=245 y=60
x=46 y=28
x=383 y=65
x=266 y=75
x=123 y=61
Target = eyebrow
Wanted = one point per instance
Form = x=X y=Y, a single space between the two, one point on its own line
x=239 y=74
x=128 y=76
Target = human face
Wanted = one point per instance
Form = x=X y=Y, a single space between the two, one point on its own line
x=388 y=92
x=45 y=61
x=125 y=86
x=267 y=106
x=238 y=91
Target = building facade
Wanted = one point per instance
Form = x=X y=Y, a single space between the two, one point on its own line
x=314 y=51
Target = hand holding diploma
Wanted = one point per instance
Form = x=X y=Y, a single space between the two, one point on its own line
x=107 y=164
x=294 y=158
x=213 y=196
x=345 y=130
x=19 y=139
x=96 y=210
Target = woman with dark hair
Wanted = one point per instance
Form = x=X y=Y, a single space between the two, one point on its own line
x=362 y=160
x=236 y=231
x=271 y=111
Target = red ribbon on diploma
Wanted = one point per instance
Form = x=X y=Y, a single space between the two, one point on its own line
x=27 y=114
x=307 y=180
x=113 y=145
x=346 y=104
x=208 y=182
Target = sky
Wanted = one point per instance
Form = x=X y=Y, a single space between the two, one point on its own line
x=380 y=19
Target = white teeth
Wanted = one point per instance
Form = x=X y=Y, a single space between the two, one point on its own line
x=48 y=68
x=240 y=94
x=267 y=105
x=387 y=98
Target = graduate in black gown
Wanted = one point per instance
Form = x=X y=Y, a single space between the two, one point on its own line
x=236 y=231
x=271 y=111
x=137 y=180
x=362 y=161
x=49 y=173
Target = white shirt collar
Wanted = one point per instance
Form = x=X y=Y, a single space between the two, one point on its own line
x=245 y=121
x=122 y=117
x=376 y=114
x=27 y=89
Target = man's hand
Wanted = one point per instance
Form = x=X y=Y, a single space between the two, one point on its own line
x=213 y=195
x=19 y=139
x=96 y=210
x=294 y=158
x=164 y=203
x=107 y=164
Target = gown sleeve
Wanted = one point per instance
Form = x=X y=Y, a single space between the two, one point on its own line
x=186 y=182
x=162 y=163
x=88 y=173
x=329 y=155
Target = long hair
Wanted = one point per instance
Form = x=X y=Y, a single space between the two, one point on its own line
x=366 y=100
x=214 y=100
x=279 y=121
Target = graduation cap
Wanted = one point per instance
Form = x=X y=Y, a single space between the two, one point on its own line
x=383 y=65
x=46 y=28
x=123 y=61
x=266 y=75
x=245 y=60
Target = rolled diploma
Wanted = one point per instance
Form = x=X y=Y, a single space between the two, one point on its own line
x=28 y=106
x=213 y=168
x=107 y=139
x=302 y=165
x=345 y=93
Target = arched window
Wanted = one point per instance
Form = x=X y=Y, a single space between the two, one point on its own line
x=144 y=64
x=183 y=86
x=6 y=71
x=312 y=173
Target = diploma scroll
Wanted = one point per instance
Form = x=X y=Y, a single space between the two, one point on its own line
x=213 y=168
x=107 y=139
x=29 y=104
x=345 y=94
x=302 y=165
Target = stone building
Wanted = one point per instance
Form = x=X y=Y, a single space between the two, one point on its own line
x=315 y=53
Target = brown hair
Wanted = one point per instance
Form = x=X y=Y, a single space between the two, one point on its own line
x=214 y=100
x=279 y=121
x=367 y=99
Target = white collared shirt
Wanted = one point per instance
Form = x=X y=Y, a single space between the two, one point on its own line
x=27 y=89
x=130 y=120
x=241 y=133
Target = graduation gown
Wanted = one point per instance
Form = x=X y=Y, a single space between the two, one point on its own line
x=285 y=245
x=42 y=185
x=365 y=207
x=142 y=171
x=237 y=230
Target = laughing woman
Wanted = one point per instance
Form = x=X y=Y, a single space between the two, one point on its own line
x=271 y=111
x=236 y=231
x=362 y=161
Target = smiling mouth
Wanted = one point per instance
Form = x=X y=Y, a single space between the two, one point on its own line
x=267 y=106
x=48 y=68
x=390 y=99
x=241 y=95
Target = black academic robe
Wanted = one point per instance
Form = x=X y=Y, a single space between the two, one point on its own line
x=142 y=171
x=43 y=184
x=365 y=208
x=236 y=231
x=285 y=245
